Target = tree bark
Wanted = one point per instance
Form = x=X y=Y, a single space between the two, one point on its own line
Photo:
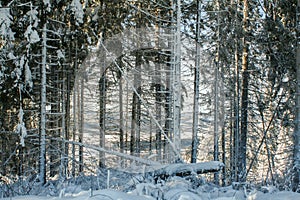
x=236 y=107
x=73 y=172
x=177 y=81
x=296 y=178
x=67 y=110
x=244 y=106
x=183 y=169
x=195 y=140
x=81 y=121
x=158 y=90
x=102 y=90
x=42 y=170
x=136 y=102
x=102 y=117
x=216 y=117
x=121 y=111
x=216 y=97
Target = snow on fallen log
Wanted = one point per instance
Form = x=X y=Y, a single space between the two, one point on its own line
x=186 y=169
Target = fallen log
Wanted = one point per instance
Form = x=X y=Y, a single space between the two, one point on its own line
x=186 y=169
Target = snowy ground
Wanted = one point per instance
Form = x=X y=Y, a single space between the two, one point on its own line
x=173 y=195
x=128 y=186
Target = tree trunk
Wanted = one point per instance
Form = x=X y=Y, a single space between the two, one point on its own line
x=168 y=111
x=133 y=124
x=4 y=126
x=138 y=117
x=102 y=117
x=138 y=86
x=75 y=90
x=231 y=137
x=244 y=106
x=121 y=113
x=195 y=140
x=297 y=127
x=177 y=81
x=216 y=97
x=42 y=169
x=158 y=101
x=236 y=101
x=121 y=128
x=136 y=102
x=54 y=119
x=102 y=90
x=223 y=124
x=74 y=108
x=216 y=117
x=158 y=95
x=136 y=111
x=67 y=109
x=150 y=137
x=296 y=178
x=81 y=121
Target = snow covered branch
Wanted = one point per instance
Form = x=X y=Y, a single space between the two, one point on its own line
x=116 y=153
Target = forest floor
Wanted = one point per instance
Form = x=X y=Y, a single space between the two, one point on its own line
x=117 y=185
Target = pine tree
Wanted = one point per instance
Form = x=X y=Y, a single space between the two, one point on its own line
x=42 y=169
x=195 y=139
x=296 y=156
x=244 y=96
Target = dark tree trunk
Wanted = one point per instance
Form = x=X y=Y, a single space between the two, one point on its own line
x=244 y=103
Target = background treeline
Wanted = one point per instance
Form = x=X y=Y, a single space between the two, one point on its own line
x=238 y=87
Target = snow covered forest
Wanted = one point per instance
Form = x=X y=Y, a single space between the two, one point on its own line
x=150 y=99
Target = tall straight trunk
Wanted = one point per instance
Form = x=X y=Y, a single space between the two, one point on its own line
x=102 y=117
x=158 y=111
x=134 y=120
x=216 y=118
x=150 y=137
x=75 y=90
x=54 y=124
x=138 y=113
x=231 y=137
x=158 y=90
x=21 y=163
x=3 y=139
x=102 y=91
x=42 y=169
x=121 y=126
x=195 y=140
x=236 y=100
x=136 y=110
x=133 y=124
x=67 y=110
x=138 y=86
x=74 y=121
x=63 y=125
x=244 y=106
x=177 y=80
x=296 y=179
x=224 y=155
x=121 y=113
x=168 y=111
x=81 y=122
x=222 y=119
x=136 y=102
x=127 y=146
x=236 y=133
x=168 y=96
x=216 y=97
